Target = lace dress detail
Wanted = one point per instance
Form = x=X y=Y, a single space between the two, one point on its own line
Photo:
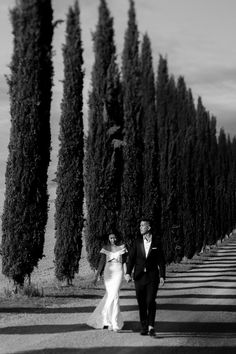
x=107 y=313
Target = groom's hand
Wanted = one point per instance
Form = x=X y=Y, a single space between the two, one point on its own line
x=127 y=278
x=162 y=281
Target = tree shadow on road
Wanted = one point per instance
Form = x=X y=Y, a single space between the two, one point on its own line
x=187 y=307
x=44 y=329
x=74 y=296
x=198 y=287
x=176 y=280
x=200 y=271
x=188 y=328
x=164 y=329
x=124 y=308
x=227 y=261
x=200 y=275
x=135 y=350
x=197 y=296
x=47 y=310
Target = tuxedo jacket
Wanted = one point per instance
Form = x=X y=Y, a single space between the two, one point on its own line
x=153 y=265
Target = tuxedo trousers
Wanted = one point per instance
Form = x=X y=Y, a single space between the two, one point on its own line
x=146 y=291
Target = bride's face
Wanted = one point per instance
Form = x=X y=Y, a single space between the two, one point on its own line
x=112 y=239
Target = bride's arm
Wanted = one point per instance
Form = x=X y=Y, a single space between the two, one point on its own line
x=124 y=260
x=101 y=266
x=124 y=268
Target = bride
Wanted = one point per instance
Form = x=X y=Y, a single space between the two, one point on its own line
x=107 y=314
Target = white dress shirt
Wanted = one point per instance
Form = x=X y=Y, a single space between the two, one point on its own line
x=147 y=240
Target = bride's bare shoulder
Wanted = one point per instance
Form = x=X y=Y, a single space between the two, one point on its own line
x=106 y=248
x=122 y=247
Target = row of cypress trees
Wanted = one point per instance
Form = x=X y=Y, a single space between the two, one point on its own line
x=171 y=166
x=149 y=151
x=26 y=199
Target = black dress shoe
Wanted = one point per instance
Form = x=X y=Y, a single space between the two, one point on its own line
x=144 y=332
x=152 y=332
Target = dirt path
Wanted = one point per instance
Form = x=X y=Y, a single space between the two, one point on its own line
x=196 y=314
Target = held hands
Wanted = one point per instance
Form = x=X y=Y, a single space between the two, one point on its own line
x=162 y=281
x=128 y=278
x=96 y=278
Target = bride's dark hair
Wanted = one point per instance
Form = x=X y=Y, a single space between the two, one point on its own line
x=117 y=234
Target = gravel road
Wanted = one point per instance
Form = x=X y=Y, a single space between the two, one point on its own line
x=196 y=313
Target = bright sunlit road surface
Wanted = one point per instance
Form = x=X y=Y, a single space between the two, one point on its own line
x=196 y=314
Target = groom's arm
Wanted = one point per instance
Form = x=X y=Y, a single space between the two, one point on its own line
x=130 y=262
x=162 y=262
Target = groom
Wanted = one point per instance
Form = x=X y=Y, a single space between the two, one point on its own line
x=147 y=259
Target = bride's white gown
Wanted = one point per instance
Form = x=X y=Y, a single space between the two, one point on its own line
x=107 y=313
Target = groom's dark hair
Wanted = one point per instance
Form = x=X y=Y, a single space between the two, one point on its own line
x=147 y=220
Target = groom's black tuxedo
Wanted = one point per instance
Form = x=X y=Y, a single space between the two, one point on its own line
x=153 y=265
x=147 y=272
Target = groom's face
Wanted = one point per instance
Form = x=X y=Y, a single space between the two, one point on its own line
x=144 y=227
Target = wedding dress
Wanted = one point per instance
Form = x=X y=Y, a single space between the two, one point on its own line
x=107 y=313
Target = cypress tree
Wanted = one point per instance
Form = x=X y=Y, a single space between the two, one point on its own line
x=69 y=195
x=180 y=132
x=221 y=184
x=131 y=195
x=199 y=176
x=233 y=183
x=188 y=174
x=26 y=198
x=213 y=237
x=185 y=184
x=103 y=147
x=112 y=154
x=204 y=226
x=208 y=186
x=229 y=190
x=172 y=236
x=162 y=103
x=163 y=133
x=151 y=204
x=165 y=109
x=188 y=202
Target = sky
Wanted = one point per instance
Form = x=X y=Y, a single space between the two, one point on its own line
x=196 y=36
